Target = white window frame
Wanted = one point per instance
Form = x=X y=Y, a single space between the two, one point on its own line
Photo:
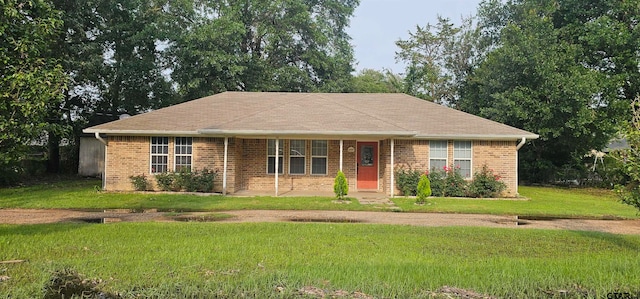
x=464 y=159
x=298 y=154
x=446 y=153
x=188 y=147
x=158 y=146
x=326 y=157
x=280 y=156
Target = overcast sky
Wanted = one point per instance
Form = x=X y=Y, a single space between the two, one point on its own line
x=378 y=24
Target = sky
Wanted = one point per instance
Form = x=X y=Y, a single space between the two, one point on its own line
x=378 y=24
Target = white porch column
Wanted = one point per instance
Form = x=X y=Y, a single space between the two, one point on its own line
x=277 y=162
x=392 y=184
x=341 y=152
x=224 y=171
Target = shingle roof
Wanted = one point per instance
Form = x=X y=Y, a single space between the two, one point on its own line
x=312 y=114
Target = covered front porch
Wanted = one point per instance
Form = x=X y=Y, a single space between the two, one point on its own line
x=307 y=166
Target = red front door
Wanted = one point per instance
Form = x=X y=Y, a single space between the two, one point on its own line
x=368 y=165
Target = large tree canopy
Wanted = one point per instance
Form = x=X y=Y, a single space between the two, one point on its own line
x=264 y=45
x=552 y=70
x=31 y=84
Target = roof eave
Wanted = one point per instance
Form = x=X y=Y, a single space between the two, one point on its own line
x=478 y=137
x=303 y=133
x=142 y=132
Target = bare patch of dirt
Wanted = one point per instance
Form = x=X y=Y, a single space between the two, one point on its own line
x=34 y=216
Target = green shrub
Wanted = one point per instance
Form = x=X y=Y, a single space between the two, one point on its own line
x=407 y=180
x=139 y=182
x=340 y=186
x=486 y=184
x=447 y=182
x=196 y=181
x=184 y=180
x=436 y=179
x=424 y=189
x=203 y=180
x=454 y=183
x=165 y=180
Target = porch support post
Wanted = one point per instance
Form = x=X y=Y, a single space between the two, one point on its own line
x=392 y=184
x=277 y=162
x=224 y=171
x=341 y=152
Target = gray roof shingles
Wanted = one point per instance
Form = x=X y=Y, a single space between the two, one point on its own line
x=312 y=114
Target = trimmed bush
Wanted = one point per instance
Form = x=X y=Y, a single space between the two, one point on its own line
x=196 y=181
x=139 y=182
x=340 y=186
x=447 y=182
x=407 y=181
x=424 y=189
x=486 y=184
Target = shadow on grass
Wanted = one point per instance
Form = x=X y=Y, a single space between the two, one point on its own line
x=621 y=241
x=37 y=229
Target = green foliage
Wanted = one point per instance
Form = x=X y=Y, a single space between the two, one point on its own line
x=424 y=189
x=263 y=45
x=438 y=58
x=570 y=92
x=486 y=184
x=31 y=83
x=372 y=81
x=630 y=160
x=340 y=186
x=139 y=182
x=407 y=180
x=189 y=181
x=165 y=181
x=448 y=183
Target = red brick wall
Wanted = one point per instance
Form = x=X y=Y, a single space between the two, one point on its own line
x=254 y=176
x=500 y=156
x=247 y=162
x=129 y=155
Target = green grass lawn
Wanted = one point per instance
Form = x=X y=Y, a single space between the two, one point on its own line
x=546 y=201
x=83 y=194
x=201 y=260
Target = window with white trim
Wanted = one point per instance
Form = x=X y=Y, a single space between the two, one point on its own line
x=437 y=154
x=297 y=156
x=183 y=154
x=159 y=154
x=462 y=157
x=319 y=153
x=271 y=156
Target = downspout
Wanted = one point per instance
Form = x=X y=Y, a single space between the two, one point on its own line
x=524 y=140
x=104 y=169
x=518 y=147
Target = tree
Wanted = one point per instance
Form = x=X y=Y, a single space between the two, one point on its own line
x=438 y=59
x=536 y=78
x=112 y=53
x=372 y=81
x=630 y=159
x=264 y=45
x=30 y=83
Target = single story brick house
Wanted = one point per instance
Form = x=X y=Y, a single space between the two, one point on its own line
x=366 y=136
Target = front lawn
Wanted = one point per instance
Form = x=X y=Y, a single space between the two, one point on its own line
x=202 y=260
x=539 y=201
x=547 y=201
